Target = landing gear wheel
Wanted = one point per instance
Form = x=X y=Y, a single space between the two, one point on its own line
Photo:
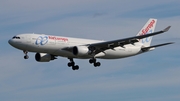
x=26 y=57
x=70 y=64
x=75 y=67
x=98 y=64
x=91 y=61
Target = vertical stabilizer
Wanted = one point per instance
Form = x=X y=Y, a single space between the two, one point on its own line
x=149 y=27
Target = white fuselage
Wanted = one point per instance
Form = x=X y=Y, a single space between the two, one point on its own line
x=48 y=47
x=54 y=45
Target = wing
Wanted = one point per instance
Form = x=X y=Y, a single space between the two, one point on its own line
x=96 y=48
x=99 y=47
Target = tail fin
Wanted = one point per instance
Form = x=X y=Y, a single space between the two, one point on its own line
x=149 y=27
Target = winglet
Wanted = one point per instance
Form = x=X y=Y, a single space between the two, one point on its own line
x=167 y=29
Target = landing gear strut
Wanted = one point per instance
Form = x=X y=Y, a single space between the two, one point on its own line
x=72 y=64
x=25 y=56
x=96 y=64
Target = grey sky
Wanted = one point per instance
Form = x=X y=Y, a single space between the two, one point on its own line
x=153 y=76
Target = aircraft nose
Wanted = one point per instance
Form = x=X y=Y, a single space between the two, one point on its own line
x=10 y=41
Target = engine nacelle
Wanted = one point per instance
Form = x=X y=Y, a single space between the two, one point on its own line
x=80 y=50
x=43 y=57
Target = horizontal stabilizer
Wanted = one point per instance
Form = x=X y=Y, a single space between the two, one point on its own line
x=147 y=48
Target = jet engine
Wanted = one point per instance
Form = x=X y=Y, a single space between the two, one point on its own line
x=43 y=57
x=80 y=50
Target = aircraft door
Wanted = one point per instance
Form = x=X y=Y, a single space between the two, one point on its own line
x=28 y=39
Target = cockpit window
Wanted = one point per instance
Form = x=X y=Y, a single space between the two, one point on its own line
x=16 y=37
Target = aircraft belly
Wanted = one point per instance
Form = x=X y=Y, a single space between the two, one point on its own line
x=67 y=54
x=63 y=53
x=121 y=53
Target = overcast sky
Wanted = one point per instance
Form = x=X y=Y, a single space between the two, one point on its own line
x=152 y=76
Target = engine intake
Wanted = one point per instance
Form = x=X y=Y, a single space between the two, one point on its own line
x=43 y=57
x=80 y=50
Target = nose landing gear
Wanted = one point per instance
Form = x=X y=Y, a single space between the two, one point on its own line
x=25 y=56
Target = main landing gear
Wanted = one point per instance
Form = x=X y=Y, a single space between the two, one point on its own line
x=72 y=64
x=93 y=61
x=25 y=56
x=76 y=67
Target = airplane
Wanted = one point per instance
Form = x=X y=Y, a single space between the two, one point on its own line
x=49 y=47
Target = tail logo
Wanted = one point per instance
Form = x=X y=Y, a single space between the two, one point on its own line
x=148 y=38
x=146 y=30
